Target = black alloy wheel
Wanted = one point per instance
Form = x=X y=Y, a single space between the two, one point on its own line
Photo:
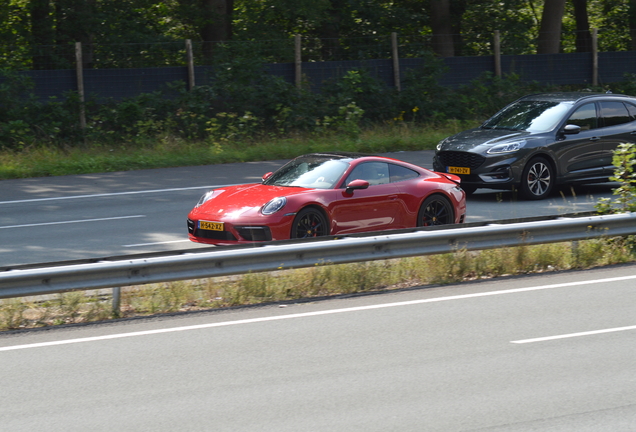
x=435 y=210
x=309 y=222
x=537 y=179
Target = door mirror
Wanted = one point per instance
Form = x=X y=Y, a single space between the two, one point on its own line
x=571 y=129
x=356 y=184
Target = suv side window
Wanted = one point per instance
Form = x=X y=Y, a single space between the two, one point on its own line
x=632 y=110
x=585 y=117
x=614 y=113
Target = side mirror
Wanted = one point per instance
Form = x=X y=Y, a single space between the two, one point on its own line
x=356 y=184
x=571 y=129
x=266 y=176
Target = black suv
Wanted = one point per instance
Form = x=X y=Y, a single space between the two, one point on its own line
x=541 y=140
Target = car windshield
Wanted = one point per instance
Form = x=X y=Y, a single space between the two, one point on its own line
x=316 y=172
x=531 y=116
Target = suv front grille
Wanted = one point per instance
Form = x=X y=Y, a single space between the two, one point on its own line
x=460 y=159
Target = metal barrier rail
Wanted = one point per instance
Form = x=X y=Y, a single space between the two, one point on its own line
x=287 y=255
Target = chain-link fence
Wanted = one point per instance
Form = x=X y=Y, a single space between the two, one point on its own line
x=124 y=70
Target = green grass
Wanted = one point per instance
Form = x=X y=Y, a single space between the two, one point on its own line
x=167 y=151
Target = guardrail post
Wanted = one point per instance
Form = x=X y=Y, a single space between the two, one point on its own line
x=575 y=252
x=117 y=301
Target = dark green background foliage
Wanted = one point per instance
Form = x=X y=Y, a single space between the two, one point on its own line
x=244 y=103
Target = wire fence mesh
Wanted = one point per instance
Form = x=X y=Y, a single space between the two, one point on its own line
x=126 y=70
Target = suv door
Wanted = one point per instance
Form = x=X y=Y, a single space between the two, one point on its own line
x=579 y=155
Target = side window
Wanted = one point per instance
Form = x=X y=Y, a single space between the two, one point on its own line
x=614 y=113
x=374 y=172
x=632 y=110
x=585 y=117
x=400 y=173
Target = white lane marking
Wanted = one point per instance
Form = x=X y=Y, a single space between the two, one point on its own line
x=155 y=243
x=71 y=222
x=312 y=314
x=572 y=335
x=111 y=194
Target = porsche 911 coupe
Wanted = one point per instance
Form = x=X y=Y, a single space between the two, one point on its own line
x=328 y=194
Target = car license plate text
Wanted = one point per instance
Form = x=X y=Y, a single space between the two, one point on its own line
x=458 y=170
x=212 y=226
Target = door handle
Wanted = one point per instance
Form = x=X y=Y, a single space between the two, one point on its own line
x=595 y=138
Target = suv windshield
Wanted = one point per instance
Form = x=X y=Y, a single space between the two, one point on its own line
x=531 y=116
x=316 y=172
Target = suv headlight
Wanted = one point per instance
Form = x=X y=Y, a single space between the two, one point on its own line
x=441 y=144
x=509 y=147
x=274 y=205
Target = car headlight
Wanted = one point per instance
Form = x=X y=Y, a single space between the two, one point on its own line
x=441 y=144
x=274 y=205
x=206 y=197
x=509 y=147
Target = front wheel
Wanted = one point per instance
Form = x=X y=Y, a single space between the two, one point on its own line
x=308 y=223
x=435 y=210
x=537 y=179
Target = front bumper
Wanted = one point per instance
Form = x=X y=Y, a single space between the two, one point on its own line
x=498 y=172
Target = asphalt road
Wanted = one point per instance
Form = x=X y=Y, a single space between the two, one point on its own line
x=552 y=352
x=100 y=215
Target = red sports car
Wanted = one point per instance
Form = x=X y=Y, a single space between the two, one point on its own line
x=328 y=194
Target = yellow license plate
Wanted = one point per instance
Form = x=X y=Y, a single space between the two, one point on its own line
x=458 y=170
x=212 y=226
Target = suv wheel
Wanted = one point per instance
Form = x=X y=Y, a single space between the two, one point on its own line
x=537 y=179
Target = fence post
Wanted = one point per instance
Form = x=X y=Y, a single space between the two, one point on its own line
x=396 y=61
x=595 y=57
x=497 y=53
x=298 y=61
x=80 y=83
x=190 y=59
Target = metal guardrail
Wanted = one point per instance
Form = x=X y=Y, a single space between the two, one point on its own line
x=286 y=255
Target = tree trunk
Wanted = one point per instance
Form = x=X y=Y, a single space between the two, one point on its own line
x=217 y=25
x=549 y=41
x=632 y=23
x=42 y=33
x=329 y=31
x=583 y=34
x=442 y=28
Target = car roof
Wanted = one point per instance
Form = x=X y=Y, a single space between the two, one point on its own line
x=337 y=155
x=571 y=96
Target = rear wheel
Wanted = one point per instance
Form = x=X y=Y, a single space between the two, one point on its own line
x=435 y=210
x=537 y=179
x=309 y=222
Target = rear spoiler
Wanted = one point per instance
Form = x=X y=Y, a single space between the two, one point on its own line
x=452 y=177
